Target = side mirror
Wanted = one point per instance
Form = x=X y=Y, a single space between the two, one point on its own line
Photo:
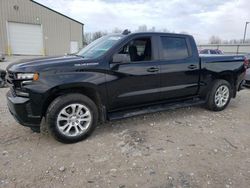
x=121 y=58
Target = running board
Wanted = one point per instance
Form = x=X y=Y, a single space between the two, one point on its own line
x=154 y=108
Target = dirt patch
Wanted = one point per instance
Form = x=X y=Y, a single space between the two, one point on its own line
x=189 y=147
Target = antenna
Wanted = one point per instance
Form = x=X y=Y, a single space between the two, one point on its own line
x=126 y=32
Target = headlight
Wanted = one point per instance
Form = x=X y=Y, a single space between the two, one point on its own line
x=27 y=76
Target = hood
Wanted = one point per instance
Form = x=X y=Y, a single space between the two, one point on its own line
x=46 y=63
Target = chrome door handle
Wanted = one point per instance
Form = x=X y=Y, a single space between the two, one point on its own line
x=153 y=69
x=192 y=66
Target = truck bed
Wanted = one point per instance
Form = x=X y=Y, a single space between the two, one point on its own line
x=221 y=58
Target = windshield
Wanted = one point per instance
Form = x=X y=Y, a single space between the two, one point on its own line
x=99 y=46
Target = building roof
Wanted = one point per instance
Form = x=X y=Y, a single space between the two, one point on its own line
x=56 y=12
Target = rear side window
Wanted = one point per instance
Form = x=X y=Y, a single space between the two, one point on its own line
x=174 y=48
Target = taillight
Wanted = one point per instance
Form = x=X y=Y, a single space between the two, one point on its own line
x=246 y=63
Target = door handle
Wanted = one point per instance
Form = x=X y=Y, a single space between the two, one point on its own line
x=153 y=69
x=192 y=66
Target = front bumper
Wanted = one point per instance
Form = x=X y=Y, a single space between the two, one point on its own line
x=19 y=107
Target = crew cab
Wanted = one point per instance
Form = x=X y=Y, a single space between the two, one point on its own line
x=119 y=76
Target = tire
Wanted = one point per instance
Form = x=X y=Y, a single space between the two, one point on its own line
x=217 y=92
x=71 y=118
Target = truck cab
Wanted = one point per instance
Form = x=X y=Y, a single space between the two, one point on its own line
x=154 y=68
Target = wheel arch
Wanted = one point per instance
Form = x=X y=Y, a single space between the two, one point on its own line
x=230 y=77
x=87 y=90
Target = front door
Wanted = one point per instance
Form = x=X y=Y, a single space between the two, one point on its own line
x=135 y=80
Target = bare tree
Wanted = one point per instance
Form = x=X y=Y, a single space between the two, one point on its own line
x=214 y=40
x=142 y=28
x=225 y=42
x=152 y=29
x=117 y=30
x=184 y=32
x=87 y=38
x=97 y=35
x=165 y=30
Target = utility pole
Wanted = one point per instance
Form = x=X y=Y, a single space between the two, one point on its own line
x=245 y=32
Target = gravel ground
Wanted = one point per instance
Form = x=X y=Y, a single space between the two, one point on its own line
x=189 y=147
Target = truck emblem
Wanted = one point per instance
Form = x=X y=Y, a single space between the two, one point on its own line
x=86 y=64
x=238 y=58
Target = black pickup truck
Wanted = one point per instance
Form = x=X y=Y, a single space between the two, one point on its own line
x=119 y=76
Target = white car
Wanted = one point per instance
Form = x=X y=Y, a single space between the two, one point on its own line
x=211 y=51
x=2 y=57
x=247 y=84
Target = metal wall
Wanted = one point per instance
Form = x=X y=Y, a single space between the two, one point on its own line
x=228 y=48
x=58 y=30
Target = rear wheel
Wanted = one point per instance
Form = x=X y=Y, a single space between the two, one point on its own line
x=72 y=117
x=219 y=96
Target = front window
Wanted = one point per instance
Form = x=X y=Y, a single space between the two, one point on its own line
x=99 y=46
x=136 y=50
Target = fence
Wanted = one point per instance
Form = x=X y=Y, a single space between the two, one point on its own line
x=228 y=48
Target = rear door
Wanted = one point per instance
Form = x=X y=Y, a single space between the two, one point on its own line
x=137 y=81
x=179 y=67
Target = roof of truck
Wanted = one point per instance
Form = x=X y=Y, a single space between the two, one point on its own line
x=159 y=33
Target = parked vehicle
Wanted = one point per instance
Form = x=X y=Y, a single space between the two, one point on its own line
x=209 y=51
x=2 y=57
x=119 y=76
x=2 y=78
x=247 y=83
x=248 y=58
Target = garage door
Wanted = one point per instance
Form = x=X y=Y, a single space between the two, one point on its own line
x=25 y=39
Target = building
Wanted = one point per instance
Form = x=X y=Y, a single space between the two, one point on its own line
x=29 y=28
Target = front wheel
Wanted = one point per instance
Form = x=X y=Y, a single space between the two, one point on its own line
x=219 y=96
x=72 y=117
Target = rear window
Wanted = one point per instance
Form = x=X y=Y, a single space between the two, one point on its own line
x=213 y=52
x=174 y=48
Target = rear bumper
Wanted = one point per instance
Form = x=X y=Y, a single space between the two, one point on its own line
x=19 y=107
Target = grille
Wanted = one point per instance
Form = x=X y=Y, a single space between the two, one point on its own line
x=11 y=75
x=12 y=92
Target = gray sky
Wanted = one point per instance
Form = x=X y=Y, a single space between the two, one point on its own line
x=204 y=18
